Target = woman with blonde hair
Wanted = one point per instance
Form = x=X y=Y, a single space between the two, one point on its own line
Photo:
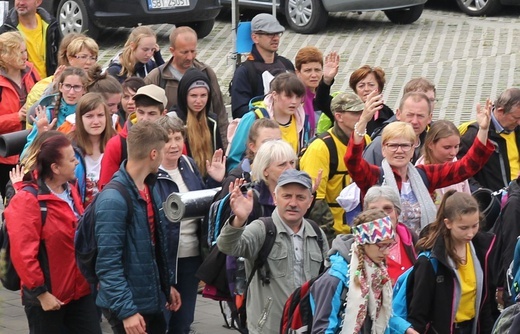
x=193 y=105
x=17 y=77
x=136 y=58
x=415 y=184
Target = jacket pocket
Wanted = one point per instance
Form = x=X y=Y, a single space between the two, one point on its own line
x=316 y=261
x=278 y=261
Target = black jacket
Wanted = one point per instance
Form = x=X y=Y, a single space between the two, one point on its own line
x=188 y=78
x=52 y=36
x=430 y=295
x=496 y=173
x=507 y=230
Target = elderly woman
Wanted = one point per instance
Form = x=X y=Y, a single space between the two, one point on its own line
x=415 y=184
x=401 y=256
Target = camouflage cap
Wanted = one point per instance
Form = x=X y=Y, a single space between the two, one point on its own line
x=346 y=102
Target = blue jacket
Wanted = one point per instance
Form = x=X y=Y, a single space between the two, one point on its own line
x=132 y=271
x=165 y=185
x=328 y=293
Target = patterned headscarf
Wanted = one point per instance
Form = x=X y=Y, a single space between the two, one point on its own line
x=373 y=232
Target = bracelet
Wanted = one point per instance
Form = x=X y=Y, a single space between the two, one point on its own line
x=359 y=133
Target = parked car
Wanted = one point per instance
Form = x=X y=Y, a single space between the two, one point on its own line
x=92 y=15
x=484 y=7
x=310 y=16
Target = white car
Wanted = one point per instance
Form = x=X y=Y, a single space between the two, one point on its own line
x=310 y=16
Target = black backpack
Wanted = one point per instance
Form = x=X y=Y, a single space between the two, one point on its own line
x=8 y=275
x=85 y=239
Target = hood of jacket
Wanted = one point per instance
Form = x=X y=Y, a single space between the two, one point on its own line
x=189 y=77
x=341 y=245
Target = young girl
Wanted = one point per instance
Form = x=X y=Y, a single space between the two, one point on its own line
x=194 y=98
x=127 y=105
x=136 y=58
x=442 y=145
x=71 y=87
x=90 y=136
x=284 y=105
x=457 y=296
x=358 y=273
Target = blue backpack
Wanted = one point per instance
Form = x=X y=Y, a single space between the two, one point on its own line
x=399 y=304
x=85 y=238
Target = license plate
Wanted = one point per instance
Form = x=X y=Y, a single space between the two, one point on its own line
x=163 y=4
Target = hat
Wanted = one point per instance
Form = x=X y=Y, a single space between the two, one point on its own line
x=373 y=232
x=346 y=102
x=295 y=176
x=154 y=92
x=266 y=23
x=199 y=84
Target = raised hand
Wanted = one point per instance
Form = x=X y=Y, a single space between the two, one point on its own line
x=241 y=205
x=330 y=67
x=373 y=104
x=16 y=174
x=217 y=166
x=41 y=121
x=484 y=115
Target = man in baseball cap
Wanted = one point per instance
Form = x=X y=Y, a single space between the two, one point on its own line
x=297 y=253
x=252 y=78
x=326 y=153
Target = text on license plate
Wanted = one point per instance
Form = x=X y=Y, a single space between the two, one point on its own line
x=157 y=4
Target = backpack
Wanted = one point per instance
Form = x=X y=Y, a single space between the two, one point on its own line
x=297 y=314
x=259 y=265
x=85 y=244
x=509 y=321
x=326 y=137
x=8 y=275
x=399 y=300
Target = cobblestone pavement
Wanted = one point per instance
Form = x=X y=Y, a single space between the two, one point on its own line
x=468 y=59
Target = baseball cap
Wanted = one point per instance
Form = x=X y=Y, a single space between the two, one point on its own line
x=295 y=176
x=266 y=23
x=346 y=102
x=154 y=92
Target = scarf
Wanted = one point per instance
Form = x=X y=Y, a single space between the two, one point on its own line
x=428 y=208
x=372 y=297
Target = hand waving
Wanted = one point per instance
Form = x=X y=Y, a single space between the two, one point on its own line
x=241 y=205
x=41 y=121
x=331 y=67
x=484 y=115
x=217 y=166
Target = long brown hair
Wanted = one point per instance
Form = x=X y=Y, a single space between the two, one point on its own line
x=454 y=204
x=79 y=135
x=199 y=139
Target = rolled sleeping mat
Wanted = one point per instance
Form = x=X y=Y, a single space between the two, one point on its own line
x=489 y=205
x=189 y=205
x=13 y=143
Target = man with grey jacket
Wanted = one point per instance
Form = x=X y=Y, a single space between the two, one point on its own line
x=294 y=258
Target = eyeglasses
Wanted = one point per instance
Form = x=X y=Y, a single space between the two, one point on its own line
x=394 y=146
x=384 y=247
x=68 y=87
x=85 y=57
x=270 y=35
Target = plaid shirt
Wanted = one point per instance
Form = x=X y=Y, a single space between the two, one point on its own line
x=439 y=175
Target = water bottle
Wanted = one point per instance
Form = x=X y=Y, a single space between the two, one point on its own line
x=240 y=277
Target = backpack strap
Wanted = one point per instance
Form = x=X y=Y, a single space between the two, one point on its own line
x=270 y=236
x=124 y=192
x=261 y=113
x=162 y=82
x=124 y=153
x=251 y=75
x=42 y=203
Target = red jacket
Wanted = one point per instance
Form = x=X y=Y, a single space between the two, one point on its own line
x=56 y=271
x=10 y=101
x=112 y=157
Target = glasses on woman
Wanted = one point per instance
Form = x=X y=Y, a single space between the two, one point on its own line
x=384 y=247
x=395 y=146
x=85 y=57
x=68 y=87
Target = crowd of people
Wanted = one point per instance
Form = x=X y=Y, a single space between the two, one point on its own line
x=383 y=186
